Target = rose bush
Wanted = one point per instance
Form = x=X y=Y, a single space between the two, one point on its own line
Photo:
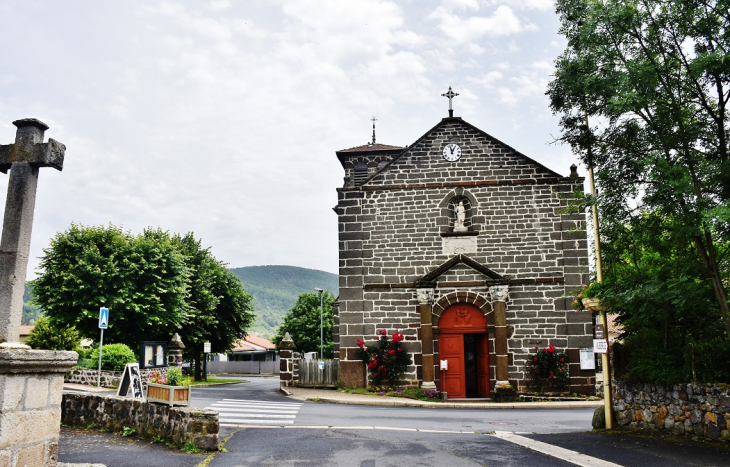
x=386 y=359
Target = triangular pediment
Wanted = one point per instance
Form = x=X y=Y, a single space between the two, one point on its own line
x=487 y=151
x=429 y=280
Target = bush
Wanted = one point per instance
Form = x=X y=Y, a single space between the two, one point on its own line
x=47 y=335
x=386 y=359
x=176 y=378
x=548 y=368
x=114 y=356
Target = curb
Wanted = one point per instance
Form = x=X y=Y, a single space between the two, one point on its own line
x=454 y=405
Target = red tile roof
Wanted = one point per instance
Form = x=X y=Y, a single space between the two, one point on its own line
x=614 y=326
x=372 y=147
x=252 y=343
x=26 y=329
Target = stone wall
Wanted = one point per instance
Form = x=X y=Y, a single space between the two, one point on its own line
x=176 y=425
x=684 y=409
x=398 y=226
x=109 y=379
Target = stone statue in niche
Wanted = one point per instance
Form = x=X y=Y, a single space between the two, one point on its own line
x=460 y=217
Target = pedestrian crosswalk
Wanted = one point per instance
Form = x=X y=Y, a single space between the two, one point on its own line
x=247 y=412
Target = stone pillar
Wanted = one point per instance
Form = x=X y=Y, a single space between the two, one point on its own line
x=425 y=306
x=286 y=361
x=31 y=388
x=175 y=350
x=500 y=294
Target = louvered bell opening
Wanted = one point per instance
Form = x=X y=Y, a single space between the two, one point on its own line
x=361 y=172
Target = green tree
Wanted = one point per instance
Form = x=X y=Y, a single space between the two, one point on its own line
x=154 y=284
x=222 y=311
x=303 y=323
x=653 y=76
x=47 y=335
x=141 y=279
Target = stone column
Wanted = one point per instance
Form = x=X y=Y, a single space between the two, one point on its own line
x=425 y=306
x=500 y=294
x=23 y=158
x=286 y=361
x=31 y=388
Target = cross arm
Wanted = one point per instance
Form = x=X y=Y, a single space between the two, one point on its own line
x=48 y=154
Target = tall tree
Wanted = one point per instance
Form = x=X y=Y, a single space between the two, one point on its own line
x=222 y=311
x=303 y=323
x=653 y=77
x=154 y=284
x=142 y=280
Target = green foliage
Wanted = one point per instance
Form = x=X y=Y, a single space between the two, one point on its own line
x=385 y=359
x=275 y=290
x=154 y=284
x=126 y=431
x=141 y=279
x=654 y=79
x=303 y=323
x=191 y=449
x=114 y=357
x=548 y=369
x=48 y=335
x=176 y=378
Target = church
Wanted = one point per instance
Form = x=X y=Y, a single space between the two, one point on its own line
x=465 y=246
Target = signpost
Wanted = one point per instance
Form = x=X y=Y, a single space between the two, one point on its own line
x=206 y=351
x=103 y=324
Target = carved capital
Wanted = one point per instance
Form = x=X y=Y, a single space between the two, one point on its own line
x=425 y=296
x=500 y=293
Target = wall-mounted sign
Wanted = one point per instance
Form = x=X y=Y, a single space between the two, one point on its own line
x=587 y=359
x=599 y=331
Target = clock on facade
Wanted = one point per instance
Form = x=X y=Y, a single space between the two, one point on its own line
x=452 y=152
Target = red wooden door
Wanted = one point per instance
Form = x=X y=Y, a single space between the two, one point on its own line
x=483 y=365
x=451 y=348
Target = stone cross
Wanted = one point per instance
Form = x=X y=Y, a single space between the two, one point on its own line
x=23 y=158
x=450 y=94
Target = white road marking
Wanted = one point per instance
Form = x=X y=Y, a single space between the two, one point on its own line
x=567 y=455
x=238 y=412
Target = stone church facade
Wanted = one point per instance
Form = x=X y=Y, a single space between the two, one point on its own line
x=463 y=245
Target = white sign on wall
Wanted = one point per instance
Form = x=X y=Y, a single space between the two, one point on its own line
x=587 y=359
x=600 y=345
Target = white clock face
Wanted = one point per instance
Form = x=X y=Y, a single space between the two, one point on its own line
x=452 y=152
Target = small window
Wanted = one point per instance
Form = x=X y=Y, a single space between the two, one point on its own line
x=361 y=172
x=382 y=164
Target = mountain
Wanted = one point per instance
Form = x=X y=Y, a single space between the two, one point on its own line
x=275 y=290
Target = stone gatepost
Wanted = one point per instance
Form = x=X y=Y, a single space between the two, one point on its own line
x=287 y=355
x=425 y=307
x=31 y=381
x=175 y=350
x=500 y=294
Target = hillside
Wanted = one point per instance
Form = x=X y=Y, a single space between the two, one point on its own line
x=275 y=290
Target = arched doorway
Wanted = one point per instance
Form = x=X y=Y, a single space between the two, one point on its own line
x=464 y=344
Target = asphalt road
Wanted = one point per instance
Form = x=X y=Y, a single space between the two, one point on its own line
x=320 y=434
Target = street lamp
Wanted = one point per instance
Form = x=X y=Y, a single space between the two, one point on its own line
x=321 y=324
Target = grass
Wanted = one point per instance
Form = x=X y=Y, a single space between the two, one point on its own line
x=428 y=395
x=218 y=381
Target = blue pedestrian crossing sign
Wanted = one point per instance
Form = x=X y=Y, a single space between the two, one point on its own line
x=103 y=318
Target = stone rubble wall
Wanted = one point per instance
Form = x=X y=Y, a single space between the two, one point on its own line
x=109 y=379
x=701 y=410
x=175 y=425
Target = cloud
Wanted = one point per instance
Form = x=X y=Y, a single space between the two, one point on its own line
x=502 y=22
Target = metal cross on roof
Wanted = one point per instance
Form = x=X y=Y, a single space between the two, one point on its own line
x=373 y=120
x=450 y=94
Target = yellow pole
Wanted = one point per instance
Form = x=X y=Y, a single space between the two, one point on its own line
x=599 y=278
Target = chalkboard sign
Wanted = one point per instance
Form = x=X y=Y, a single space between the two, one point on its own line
x=131 y=378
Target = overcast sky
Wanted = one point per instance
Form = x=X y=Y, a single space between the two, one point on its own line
x=223 y=117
